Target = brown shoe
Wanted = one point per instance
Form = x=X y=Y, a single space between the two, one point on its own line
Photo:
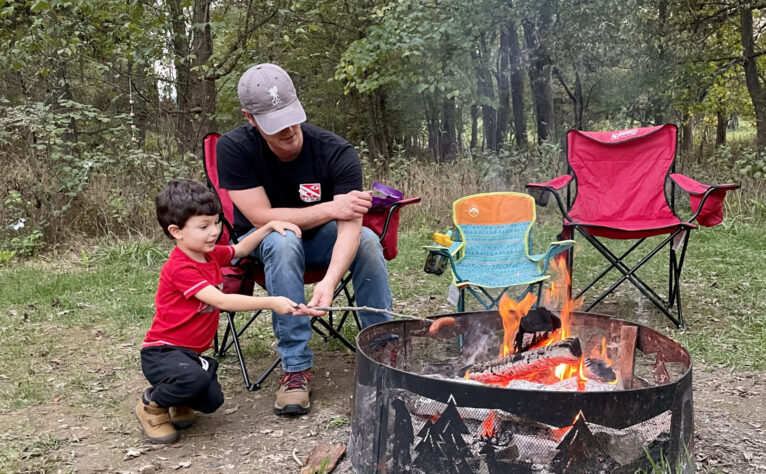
x=182 y=417
x=155 y=422
x=293 y=394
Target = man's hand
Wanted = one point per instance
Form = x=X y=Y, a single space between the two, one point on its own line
x=323 y=292
x=352 y=205
x=281 y=227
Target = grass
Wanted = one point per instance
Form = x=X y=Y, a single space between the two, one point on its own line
x=71 y=326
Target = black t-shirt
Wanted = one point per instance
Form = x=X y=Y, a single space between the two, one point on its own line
x=326 y=166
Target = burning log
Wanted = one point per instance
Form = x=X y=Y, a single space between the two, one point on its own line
x=599 y=370
x=567 y=351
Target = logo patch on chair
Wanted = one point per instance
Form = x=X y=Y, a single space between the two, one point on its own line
x=473 y=211
x=310 y=192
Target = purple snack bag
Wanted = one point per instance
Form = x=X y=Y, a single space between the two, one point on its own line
x=380 y=203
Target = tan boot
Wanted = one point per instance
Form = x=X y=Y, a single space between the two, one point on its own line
x=155 y=422
x=293 y=394
x=182 y=417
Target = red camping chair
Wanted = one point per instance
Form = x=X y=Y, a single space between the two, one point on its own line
x=241 y=278
x=619 y=193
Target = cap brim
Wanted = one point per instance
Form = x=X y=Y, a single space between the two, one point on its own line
x=280 y=119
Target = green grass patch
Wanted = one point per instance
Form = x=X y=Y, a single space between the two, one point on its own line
x=72 y=329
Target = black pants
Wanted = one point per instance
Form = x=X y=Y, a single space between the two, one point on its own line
x=182 y=377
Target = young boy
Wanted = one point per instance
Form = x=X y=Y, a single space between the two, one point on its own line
x=188 y=302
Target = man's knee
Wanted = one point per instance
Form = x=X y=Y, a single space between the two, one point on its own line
x=278 y=246
x=369 y=246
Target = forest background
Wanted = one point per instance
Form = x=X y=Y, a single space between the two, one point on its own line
x=105 y=101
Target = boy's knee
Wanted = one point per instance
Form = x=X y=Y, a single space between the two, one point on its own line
x=281 y=246
x=213 y=401
x=198 y=386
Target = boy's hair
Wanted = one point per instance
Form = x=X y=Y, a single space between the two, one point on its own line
x=183 y=199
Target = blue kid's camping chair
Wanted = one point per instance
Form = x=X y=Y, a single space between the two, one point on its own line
x=493 y=246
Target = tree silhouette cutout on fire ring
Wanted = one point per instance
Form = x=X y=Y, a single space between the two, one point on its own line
x=579 y=451
x=402 y=437
x=494 y=443
x=442 y=447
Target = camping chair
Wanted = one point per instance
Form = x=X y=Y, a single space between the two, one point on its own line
x=241 y=278
x=618 y=180
x=492 y=251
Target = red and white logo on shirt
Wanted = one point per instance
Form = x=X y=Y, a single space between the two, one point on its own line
x=310 y=192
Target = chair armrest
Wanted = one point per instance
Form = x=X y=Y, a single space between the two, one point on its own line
x=692 y=186
x=540 y=191
x=554 y=248
x=556 y=183
x=706 y=199
x=393 y=210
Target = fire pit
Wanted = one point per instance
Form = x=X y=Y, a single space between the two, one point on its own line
x=421 y=403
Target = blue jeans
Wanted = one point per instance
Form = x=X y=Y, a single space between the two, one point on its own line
x=286 y=257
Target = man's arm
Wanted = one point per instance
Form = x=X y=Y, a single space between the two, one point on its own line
x=256 y=207
x=343 y=253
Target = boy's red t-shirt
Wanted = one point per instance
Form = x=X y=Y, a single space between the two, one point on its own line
x=181 y=319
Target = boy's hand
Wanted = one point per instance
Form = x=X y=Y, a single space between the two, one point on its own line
x=283 y=305
x=281 y=227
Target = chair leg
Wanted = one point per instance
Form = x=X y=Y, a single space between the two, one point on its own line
x=568 y=234
x=609 y=268
x=240 y=357
x=629 y=274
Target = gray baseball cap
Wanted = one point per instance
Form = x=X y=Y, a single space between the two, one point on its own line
x=267 y=92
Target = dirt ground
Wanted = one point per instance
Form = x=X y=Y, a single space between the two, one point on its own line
x=245 y=436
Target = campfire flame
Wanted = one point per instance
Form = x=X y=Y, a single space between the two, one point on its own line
x=556 y=296
x=511 y=313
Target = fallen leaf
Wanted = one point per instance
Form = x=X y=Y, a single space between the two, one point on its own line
x=132 y=453
x=182 y=464
x=230 y=410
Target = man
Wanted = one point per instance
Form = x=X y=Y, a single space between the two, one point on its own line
x=278 y=166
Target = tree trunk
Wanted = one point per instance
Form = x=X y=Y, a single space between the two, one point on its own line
x=517 y=89
x=195 y=95
x=474 y=126
x=687 y=133
x=459 y=130
x=754 y=86
x=540 y=76
x=503 y=88
x=432 y=121
x=487 y=95
x=448 y=140
x=579 y=106
x=720 y=129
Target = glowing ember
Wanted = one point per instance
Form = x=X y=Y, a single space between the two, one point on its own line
x=488 y=429
x=559 y=433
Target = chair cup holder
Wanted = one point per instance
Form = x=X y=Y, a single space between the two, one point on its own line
x=436 y=263
x=540 y=196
